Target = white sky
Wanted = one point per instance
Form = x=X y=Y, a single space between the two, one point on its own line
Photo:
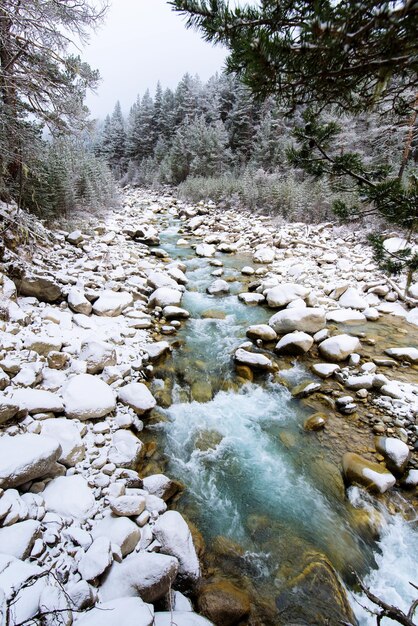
x=144 y=41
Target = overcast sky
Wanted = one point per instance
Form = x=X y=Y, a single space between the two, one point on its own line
x=144 y=41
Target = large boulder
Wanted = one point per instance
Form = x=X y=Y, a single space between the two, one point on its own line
x=148 y=574
x=119 y=530
x=118 y=612
x=165 y=296
x=138 y=397
x=395 y=452
x=18 y=540
x=174 y=535
x=218 y=288
x=112 y=303
x=26 y=457
x=159 y=279
x=97 y=355
x=264 y=255
x=125 y=450
x=70 y=497
x=87 y=397
x=282 y=295
x=261 y=331
x=96 y=560
x=307 y=319
x=373 y=476
x=37 y=401
x=294 y=343
x=351 y=299
x=224 y=603
x=68 y=436
x=78 y=302
x=339 y=347
x=205 y=250
x=14 y=574
x=253 y=359
x=41 y=287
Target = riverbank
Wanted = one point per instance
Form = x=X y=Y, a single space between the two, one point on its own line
x=78 y=370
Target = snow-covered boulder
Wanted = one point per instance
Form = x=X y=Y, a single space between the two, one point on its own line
x=68 y=436
x=251 y=298
x=181 y=618
x=126 y=449
x=127 y=506
x=41 y=287
x=339 y=347
x=371 y=475
x=138 y=397
x=253 y=359
x=97 y=355
x=147 y=574
x=175 y=313
x=160 y=279
x=395 y=452
x=18 y=540
x=205 y=250
x=78 y=302
x=37 y=401
x=174 y=535
x=325 y=370
x=345 y=316
x=294 y=343
x=26 y=457
x=351 y=299
x=161 y=486
x=403 y=354
x=261 y=331
x=264 y=255
x=87 y=397
x=285 y=293
x=96 y=560
x=119 y=530
x=112 y=303
x=118 y=612
x=42 y=344
x=308 y=320
x=218 y=288
x=157 y=349
x=13 y=575
x=165 y=296
x=70 y=497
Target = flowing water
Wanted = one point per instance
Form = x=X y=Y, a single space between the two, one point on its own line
x=253 y=475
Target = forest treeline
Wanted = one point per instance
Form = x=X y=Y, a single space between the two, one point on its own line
x=217 y=141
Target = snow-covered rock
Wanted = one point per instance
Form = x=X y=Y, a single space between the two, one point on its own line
x=160 y=279
x=285 y=293
x=8 y=409
x=165 y=296
x=42 y=344
x=78 y=302
x=219 y=287
x=261 y=331
x=403 y=354
x=339 y=347
x=120 y=531
x=345 y=316
x=18 y=540
x=125 y=450
x=97 y=355
x=87 y=397
x=175 y=312
x=251 y=298
x=13 y=575
x=138 y=397
x=127 y=506
x=351 y=299
x=371 y=475
x=118 y=612
x=205 y=250
x=264 y=255
x=68 y=436
x=174 y=535
x=112 y=303
x=26 y=457
x=294 y=343
x=325 y=370
x=181 y=618
x=147 y=574
x=70 y=497
x=157 y=349
x=253 y=359
x=53 y=602
x=37 y=401
x=96 y=560
x=395 y=452
x=308 y=320
x=161 y=486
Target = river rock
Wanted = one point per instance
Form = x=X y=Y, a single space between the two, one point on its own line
x=308 y=320
x=282 y=295
x=161 y=486
x=118 y=612
x=371 y=475
x=26 y=457
x=395 y=452
x=351 y=299
x=87 y=397
x=264 y=255
x=67 y=434
x=175 y=538
x=8 y=409
x=159 y=279
x=261 y=331
x=403 y=354
x=181 y=618
x=294 y=343
x=126 y=449
x=78 y=302
x=218 y=288
x=253 y=359
x=138 y=397
x=18 y=540
x=345 y=316
x=165 y=296
x=70 y=497
x=325 y=370
x=127 y=506
x=147 y=574
x=251 y=298
x=156 y=350
x=37 y=401
x=97 y=355
x=205 y=250
x=224 y=603
x=96 y=560
x=40 y=287
x=112 y=303
x=339 y=347
x=175 y=312
x=316 y=421
x=119 y=530
x=42 y=344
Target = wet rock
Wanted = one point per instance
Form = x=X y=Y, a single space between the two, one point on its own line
x=307 y=319
x=26 y=457
x=294 y=344
x=182 y=618
x=87 y=397
x=305 y=388
x=224 y=603
x=411 y=479
x=395 y=452
x=371 y=475
x=339 y=347
x=315 y=422
x=315 y=595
